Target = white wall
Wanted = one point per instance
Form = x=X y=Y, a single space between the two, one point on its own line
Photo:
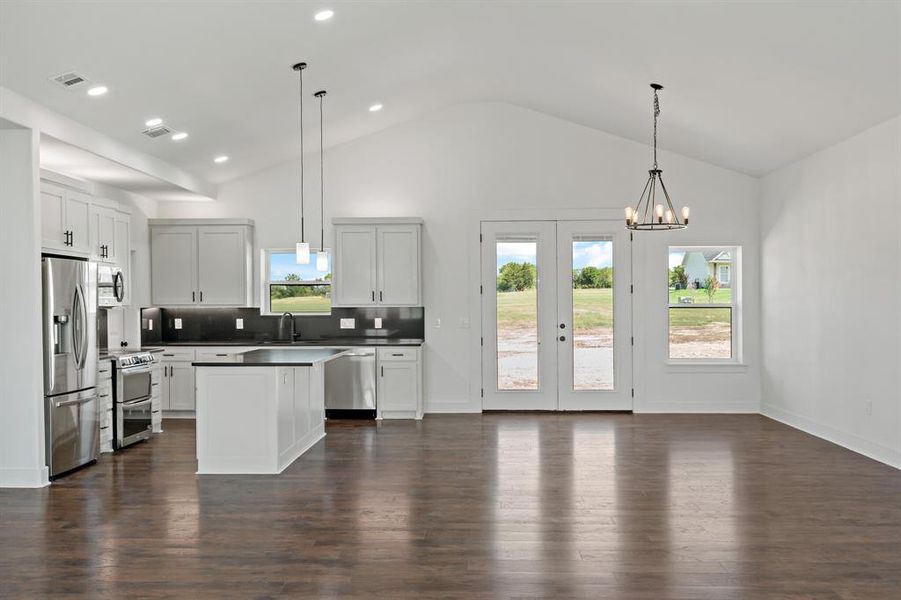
x=22 y=461
x=831 y=291
x=478 y=160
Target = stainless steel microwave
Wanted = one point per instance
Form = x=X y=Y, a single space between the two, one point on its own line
x=110 y=285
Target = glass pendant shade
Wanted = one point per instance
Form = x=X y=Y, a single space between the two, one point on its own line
x=302 y=253
x=322 y=261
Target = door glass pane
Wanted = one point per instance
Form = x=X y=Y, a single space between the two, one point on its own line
x=592 y=313
x=517 y=315
x=700 y=332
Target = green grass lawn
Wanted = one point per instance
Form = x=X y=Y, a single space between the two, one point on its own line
x=594 y=308
x=721 y=296
x=302 y=304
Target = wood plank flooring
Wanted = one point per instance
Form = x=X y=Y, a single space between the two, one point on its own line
x=476 y=506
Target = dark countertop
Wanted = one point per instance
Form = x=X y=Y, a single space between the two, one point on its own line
x=278 y=357
x=308 y=343
x=110 y=354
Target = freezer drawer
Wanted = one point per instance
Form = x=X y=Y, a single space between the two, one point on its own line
x=73 y=430
x=350 y=381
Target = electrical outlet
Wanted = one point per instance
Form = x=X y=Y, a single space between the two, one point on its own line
x=348 y=323
x=378 y=322
x=178 y=323
x=239 y=323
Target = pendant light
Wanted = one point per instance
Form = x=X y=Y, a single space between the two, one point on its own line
x=648 y=214
x=302 y=248
x=322 y=256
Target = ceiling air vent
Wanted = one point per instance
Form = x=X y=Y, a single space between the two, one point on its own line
x=70 y=80
x=155 y=132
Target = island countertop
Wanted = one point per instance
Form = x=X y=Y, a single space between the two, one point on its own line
x=278 y=357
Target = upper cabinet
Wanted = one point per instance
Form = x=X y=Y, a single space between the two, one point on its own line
x=377 y=262
x=201 y=262
x=103 y=234
x=65 y=220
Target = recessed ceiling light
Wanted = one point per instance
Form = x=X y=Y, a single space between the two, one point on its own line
x=179 y=136
x=153 y=122
x=324 y=15
x=375 y=108
x=97 y=90
x=220 y=159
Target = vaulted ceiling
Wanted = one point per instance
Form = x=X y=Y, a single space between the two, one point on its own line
x=749 y=86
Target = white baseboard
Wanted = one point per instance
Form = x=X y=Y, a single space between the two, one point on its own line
x=25 y=478
x=741 y=408
x=878 y=452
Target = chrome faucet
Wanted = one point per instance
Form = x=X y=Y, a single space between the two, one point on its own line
x=292 y=335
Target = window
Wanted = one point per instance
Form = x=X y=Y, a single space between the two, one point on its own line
x=290 y=287
x=703 y=303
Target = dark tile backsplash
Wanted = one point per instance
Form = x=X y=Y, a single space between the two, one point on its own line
x=218 y=325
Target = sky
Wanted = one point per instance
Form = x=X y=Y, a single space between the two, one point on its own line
x=282 y=264
x=596 y=254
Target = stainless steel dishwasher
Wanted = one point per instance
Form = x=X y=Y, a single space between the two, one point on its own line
x=350 y=385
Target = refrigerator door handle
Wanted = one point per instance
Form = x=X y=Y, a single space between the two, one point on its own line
x=76 y=401
x=81 y=309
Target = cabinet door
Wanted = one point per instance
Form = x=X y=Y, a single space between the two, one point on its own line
x=164 y=388
x=53 y=217
x=181 y=386
x=122 y=244
x=173 y=265
x=398 y=265
x=398 y=388
x=221 y=266
x=354 y=265
x=78 y=218
x=103 y=234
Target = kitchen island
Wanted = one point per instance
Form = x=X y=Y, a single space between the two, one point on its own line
x=257 y=415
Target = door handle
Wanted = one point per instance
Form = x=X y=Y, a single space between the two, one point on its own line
x=562 y=325
x=201 y=295
x=193 y=297
x=380 y=295
x=562 y=338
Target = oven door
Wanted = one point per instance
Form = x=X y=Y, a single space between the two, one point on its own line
x=133 y=421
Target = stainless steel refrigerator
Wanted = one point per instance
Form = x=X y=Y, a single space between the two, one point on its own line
x=70 y=363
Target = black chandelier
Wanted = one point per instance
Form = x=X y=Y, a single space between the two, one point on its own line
x=648 y=214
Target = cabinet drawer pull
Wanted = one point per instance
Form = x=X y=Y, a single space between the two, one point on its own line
x=383 y=371
x=397 y=354
x=221 y=354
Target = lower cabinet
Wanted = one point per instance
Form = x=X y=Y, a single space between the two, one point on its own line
x=399 y=392
x=105 y=404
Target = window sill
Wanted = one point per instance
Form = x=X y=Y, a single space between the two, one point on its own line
x=705 y=366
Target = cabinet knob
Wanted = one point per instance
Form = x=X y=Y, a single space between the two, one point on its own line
x=562 y=338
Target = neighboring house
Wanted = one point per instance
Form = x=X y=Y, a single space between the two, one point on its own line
x=700 y=265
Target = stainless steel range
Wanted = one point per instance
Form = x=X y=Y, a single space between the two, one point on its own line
x=132 y=398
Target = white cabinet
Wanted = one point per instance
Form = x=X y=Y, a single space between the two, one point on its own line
x=377 y=263
x=354 y=266
x=399 y=393
x=177 y=381
x=173 y=265
x=103 y=234
x=65 y=219
x=201 y=262
x=222 y=265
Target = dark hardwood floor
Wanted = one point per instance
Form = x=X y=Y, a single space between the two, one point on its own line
x=490 y=506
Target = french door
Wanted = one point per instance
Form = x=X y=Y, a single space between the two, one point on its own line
x=556 y=316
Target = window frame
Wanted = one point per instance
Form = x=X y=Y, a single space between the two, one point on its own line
x=266 y=282
x=735 y=285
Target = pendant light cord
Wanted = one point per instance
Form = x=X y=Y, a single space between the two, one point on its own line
x=321 y=179
x=300 y=73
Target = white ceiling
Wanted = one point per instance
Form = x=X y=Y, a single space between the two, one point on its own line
x=750 y=86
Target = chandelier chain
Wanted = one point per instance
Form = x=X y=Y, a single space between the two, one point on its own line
x=656 y=114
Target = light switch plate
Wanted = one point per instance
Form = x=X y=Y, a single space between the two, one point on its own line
x=348 y=324
x=239 y=323
x=378 y=322
x=437 y=324
x=178 y=323
x=464 y=322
